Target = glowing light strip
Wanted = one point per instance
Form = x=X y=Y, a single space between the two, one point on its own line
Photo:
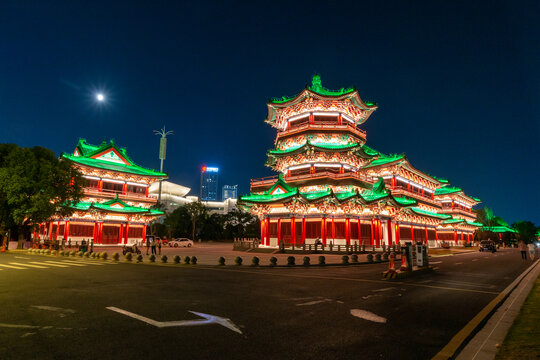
x=336 y=165
x=91 y=177
x=136 y=184
x=114 y=181
x=456 y=202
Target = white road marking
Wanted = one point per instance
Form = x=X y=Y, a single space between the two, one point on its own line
x=368 y=296
x=65 y=263
x=14 y=267
x=367 y=315
x=52 y=308
x=18 y=326
x=20 y=257
x=314 y=302
x=49 y=264
x=385 y=289
x=466 y=284
x=29 y=265
x=435 y=262
x=28 y=334
x=208 y=319
x=458 y=263
x=474 y=259
x=83 y=262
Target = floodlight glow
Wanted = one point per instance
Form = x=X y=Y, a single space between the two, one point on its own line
x=100 y=97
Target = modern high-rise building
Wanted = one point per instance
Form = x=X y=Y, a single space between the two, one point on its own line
x=230 y=192
x=209 y=183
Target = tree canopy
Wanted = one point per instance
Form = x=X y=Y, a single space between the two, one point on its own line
x=34 y=186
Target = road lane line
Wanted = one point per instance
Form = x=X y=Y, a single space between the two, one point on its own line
x=474 y=259
x=14 y=267
x=30 y=265
x=435 y=262
x=82 y=262
x=316 y=277
x=63 y=263
x=458 y=263
x=20 y=257
x=56 y=265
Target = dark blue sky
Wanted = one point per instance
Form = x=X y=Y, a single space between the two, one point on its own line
x=457 y=83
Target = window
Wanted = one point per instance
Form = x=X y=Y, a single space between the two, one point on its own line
x=354 y=230
x=135 y=232
x=339 y=230
x=112 y=186
x=81 y=230
x=273 y=229
x=313 y=229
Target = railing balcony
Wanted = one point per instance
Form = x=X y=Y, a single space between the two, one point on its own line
x=270 y=180
x=343 y=127
x=112 y=193
x=403 y=190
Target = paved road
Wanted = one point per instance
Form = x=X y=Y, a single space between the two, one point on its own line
x=55 y=309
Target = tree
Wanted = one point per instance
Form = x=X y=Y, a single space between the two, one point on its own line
x=35 y=186
x=197 y=211
x=526 y=230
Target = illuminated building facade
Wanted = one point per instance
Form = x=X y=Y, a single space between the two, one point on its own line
x=209 y=183
x=335 y=189
x=115 y=209
x=229 y=192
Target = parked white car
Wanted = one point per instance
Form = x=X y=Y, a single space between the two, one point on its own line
x=181 y=242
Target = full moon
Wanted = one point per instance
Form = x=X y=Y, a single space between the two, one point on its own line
x=100 y=97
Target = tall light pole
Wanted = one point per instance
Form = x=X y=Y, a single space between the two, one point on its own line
x=162 y=152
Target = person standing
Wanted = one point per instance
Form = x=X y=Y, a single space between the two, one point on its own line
x=523 y=248
x=159 y=243
x=147 y=246
x=153 y=244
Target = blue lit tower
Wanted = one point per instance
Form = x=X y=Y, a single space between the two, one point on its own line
x=230 y=192
x=209 y=183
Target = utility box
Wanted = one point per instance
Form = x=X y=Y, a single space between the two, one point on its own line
x=421 y=255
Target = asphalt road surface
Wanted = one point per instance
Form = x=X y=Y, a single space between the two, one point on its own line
x=65 y=308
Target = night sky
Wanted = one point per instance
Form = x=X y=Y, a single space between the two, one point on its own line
x=457 y=83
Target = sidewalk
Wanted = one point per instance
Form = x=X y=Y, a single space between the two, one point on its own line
x=485 y=344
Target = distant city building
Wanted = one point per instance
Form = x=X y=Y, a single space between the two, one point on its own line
x=230 y=192
x=174 y=195
x=209 y=183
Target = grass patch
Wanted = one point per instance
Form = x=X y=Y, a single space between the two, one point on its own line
x=522 y=341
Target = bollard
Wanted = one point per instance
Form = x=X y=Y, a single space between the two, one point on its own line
x=404 y=264
x=391 y=263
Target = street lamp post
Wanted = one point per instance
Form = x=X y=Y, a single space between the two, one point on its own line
x=162 y=152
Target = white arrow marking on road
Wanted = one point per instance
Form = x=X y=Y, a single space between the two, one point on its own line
x=208 y=319
x=367 y=315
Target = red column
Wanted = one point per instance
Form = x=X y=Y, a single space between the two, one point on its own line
x=462 y=237
x=66 y=231
x=323 y=230
x=412 y=234
x=57 y=228
x=279 y=231
x=311 y=119
x=293 y=231
x=359 y=232
x=126 y=234
x=348 y=231
x=100 y=233
x=303 y=230
x=339 y=120
x=452 y=204
x=268 y=231
x=455 y=237
x=100 y=185
x=389 y=232
x=393 y=182
x=372 y=235
x=436 y=235
x=397 y=234
x=262 y=232
x=124 y=188
x=144 y=234
x=146 y=191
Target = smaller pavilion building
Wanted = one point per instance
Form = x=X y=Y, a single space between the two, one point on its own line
x=116 y=207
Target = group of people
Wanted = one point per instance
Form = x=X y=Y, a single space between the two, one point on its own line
x=152 y=243
x=524 y=248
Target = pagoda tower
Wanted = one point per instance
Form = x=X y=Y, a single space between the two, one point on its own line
x=332 y=188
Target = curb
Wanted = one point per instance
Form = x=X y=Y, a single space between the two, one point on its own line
x=458 y=342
